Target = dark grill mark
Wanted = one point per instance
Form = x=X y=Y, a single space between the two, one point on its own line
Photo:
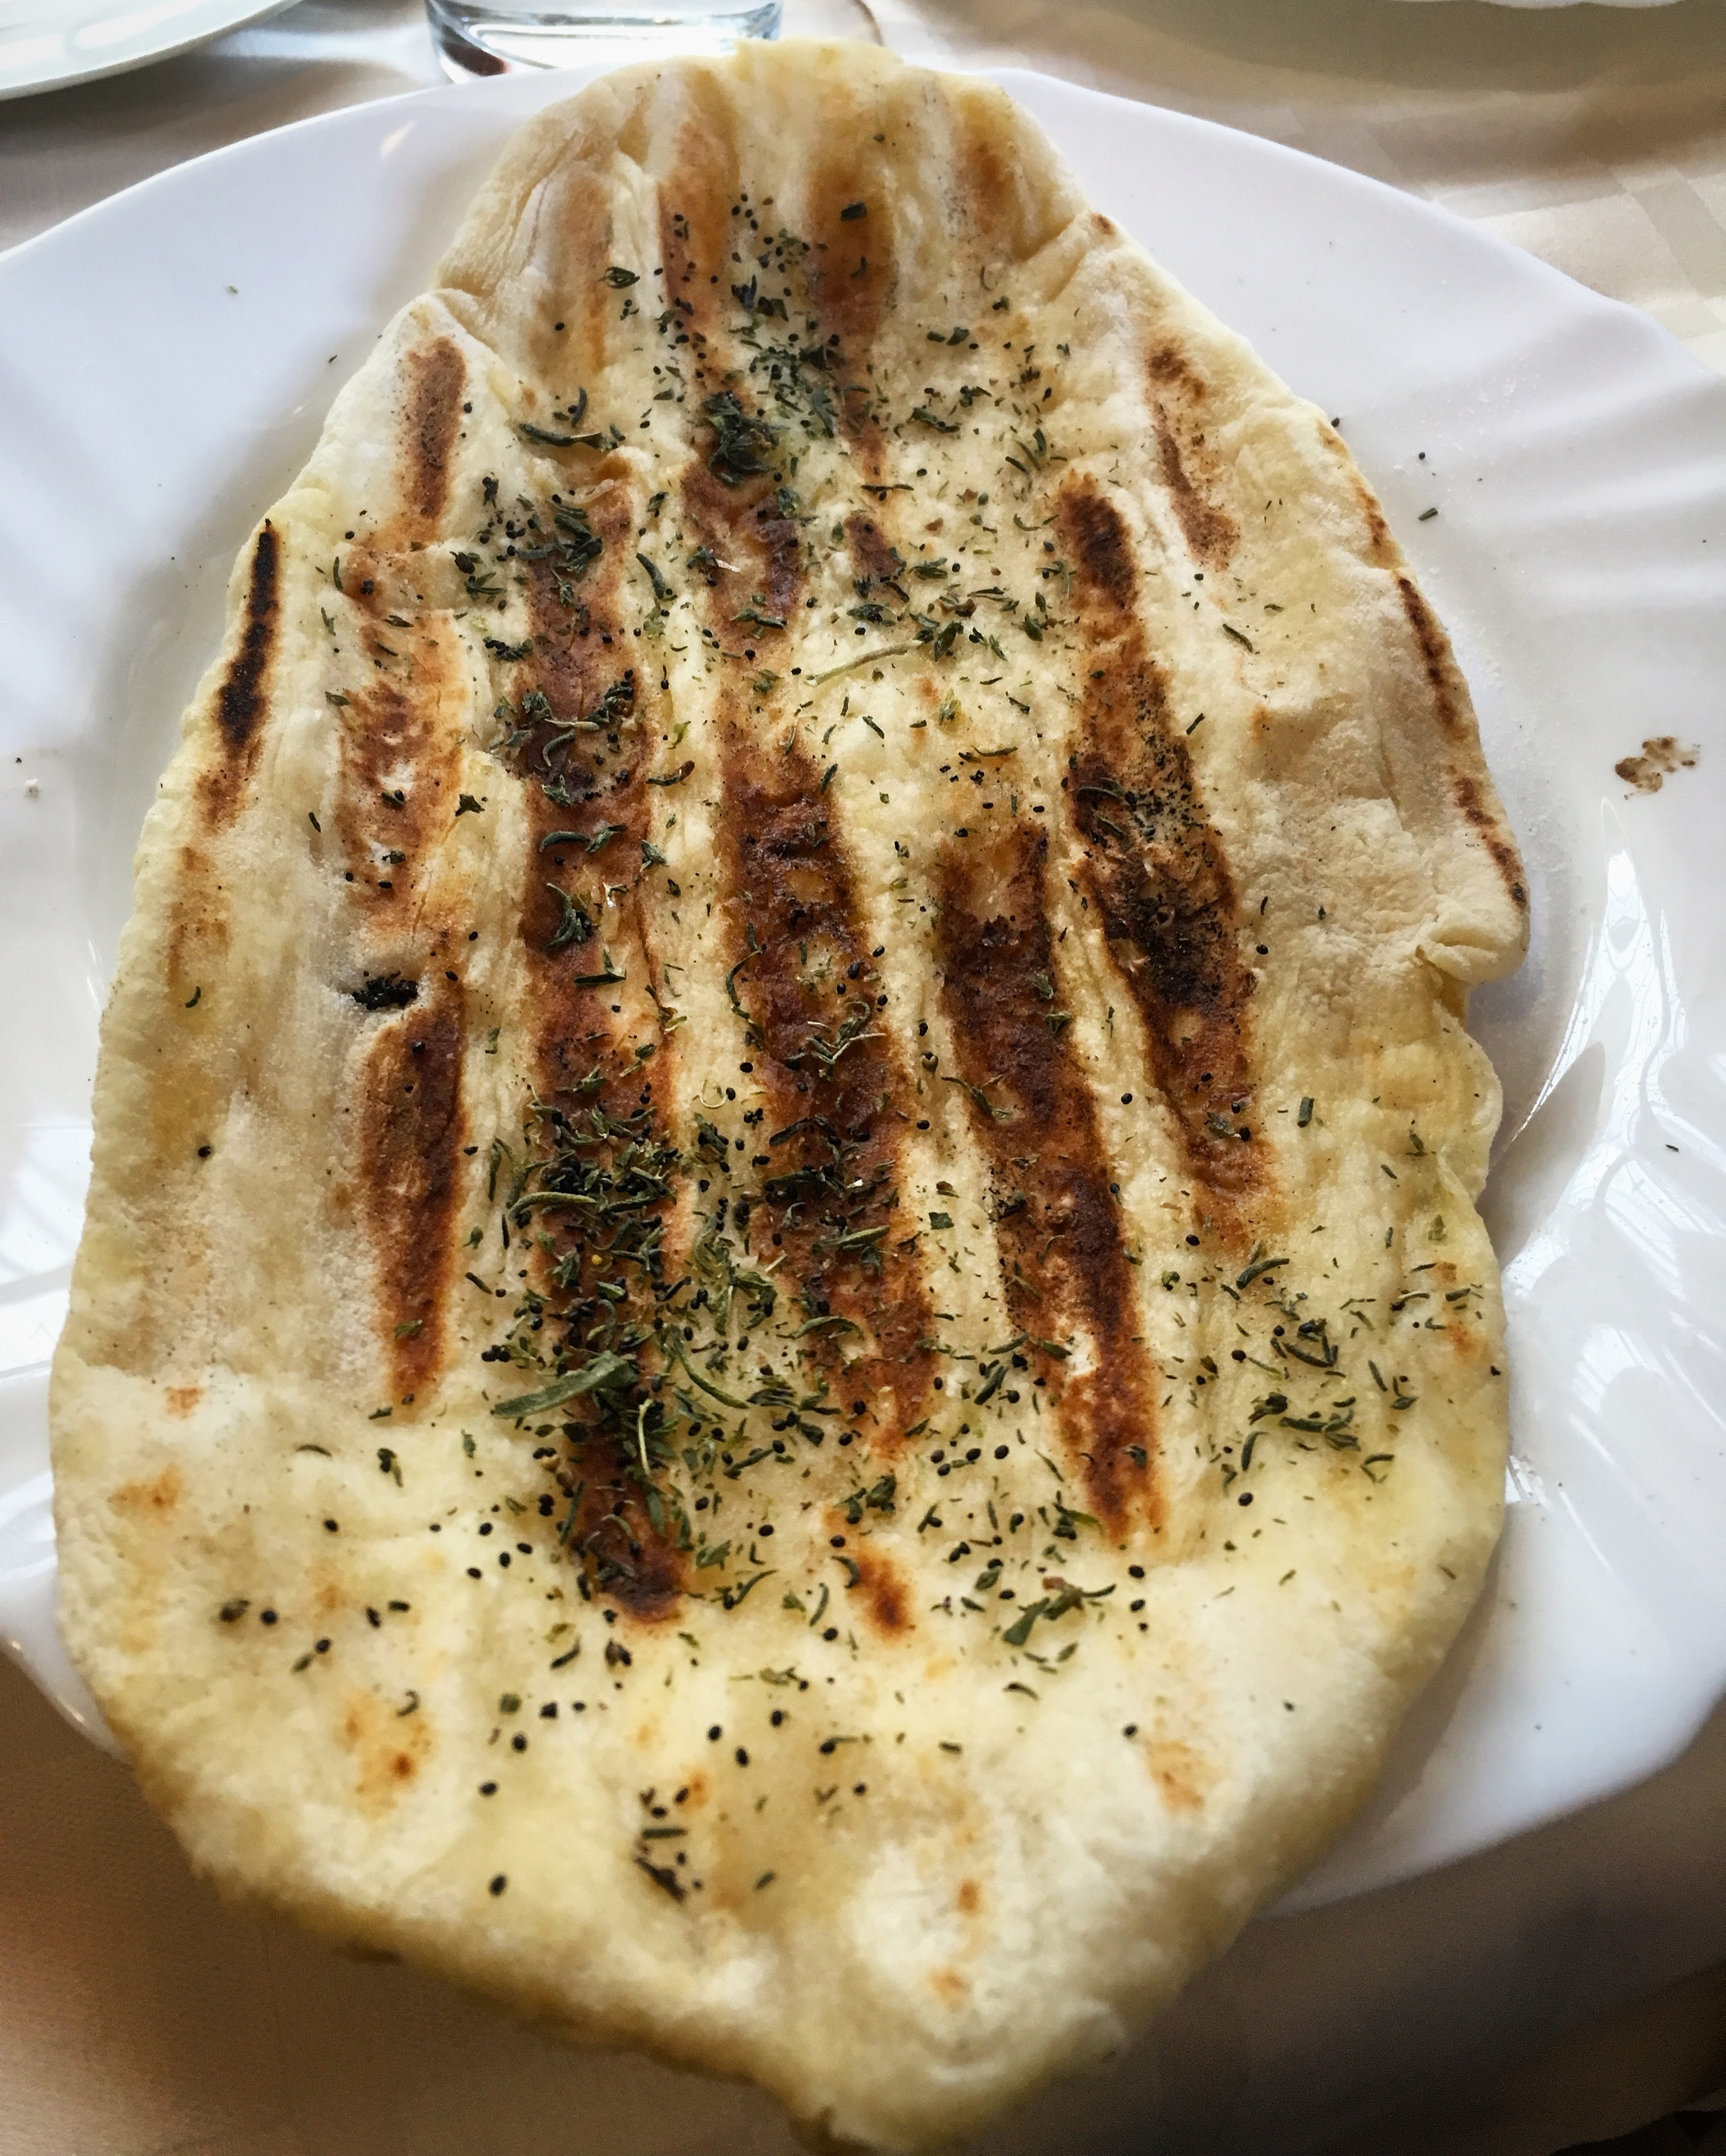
x=745 y=525
x=833 y=1081
x=241 y=700
x=1380 y=545
x=385 y=992
x=412 y=1134
x=1210 y=532
x=633 y=1563
x=583 y=664
x=850 y=272
x=1493 y=835
x=1169 y=364
x=1438 y=662
x=851 y=266
x=1058 y=1226
x=1098 y=539
x=1155 y=868
x=437 y=377
x=1434 y=647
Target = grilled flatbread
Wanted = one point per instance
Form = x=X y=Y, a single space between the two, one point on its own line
x=782 y=1348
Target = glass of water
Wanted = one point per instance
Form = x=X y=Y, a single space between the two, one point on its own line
x=495 y=37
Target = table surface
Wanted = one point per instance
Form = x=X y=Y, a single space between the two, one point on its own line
x=138 y=2017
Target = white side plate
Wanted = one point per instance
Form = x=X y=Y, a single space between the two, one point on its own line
x=1576 y=457
x=45 y=44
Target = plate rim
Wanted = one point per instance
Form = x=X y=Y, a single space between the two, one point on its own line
x=520 y=83
x=533 y=91
x=241 y=15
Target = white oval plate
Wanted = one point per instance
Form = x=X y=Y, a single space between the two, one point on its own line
x=46 y=44
x=165 y=361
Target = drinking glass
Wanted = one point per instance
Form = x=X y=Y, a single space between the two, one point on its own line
x=494 y=37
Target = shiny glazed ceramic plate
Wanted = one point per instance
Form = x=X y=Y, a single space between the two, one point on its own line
x=44 y=44
x=165 y=362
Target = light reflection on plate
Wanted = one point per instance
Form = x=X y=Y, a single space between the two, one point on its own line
x=45 y=44
x=1576 y=457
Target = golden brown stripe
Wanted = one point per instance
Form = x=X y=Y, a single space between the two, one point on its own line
x=437 y=375
x=695 y=228
x=389 y=729
x=1058 y=1220
x=1208 y=530
x=397 y=790
x=412 y=1132
x=1156 y=870
x=756 y=579
x=848 y=222
x=849 y=274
